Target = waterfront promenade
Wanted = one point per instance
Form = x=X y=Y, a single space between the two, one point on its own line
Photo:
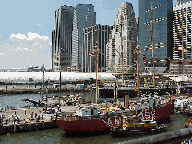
x=29 y=119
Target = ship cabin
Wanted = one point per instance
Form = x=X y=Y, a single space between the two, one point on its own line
x=133 y=122
x=87 y=111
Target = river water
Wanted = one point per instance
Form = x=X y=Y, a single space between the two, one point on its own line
x=57 y=136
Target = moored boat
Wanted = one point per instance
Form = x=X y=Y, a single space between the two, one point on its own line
x=134 y=125
x=89 y=119
x=154 y=108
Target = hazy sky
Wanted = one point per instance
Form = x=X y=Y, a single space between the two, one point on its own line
x=26 y=28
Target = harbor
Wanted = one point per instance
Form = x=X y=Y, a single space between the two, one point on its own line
x=52 y=133
x=127 y=80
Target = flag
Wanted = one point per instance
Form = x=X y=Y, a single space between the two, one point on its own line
x=144 y=57
x=156 y=77
x=91 y=54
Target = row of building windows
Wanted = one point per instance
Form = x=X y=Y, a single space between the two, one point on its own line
x=153 y=8
x=155 y=21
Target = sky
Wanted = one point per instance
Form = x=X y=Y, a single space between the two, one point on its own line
x=26 y=28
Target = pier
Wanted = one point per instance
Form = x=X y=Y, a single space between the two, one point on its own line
x=28 y=119
x=38 y=90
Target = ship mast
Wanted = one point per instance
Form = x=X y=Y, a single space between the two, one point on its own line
x=96 y=50
x=137 y=53
x=153 y=57
x=43 y=84
x=60 y=79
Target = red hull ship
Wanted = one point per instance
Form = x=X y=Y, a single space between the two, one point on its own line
x=89 y=125
x=160 y=113
x=80 y=124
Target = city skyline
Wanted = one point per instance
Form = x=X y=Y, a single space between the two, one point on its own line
x=26 y=28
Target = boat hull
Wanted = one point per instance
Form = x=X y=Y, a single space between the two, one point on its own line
x=119 y=132
x=159 y=113
x=89 y=125
x=102 y=124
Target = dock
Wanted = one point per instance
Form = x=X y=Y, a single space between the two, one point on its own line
x=38 y=90
x=27 y=127
x=28 y=119
x=27 y=90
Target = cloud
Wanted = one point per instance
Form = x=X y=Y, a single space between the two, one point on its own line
x=31 y=36
x=22 y=50
x=17 y=36
x=39 y=25
x=2 y=53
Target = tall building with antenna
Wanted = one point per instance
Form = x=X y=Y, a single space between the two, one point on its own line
x=160 y=13
x=122 y=41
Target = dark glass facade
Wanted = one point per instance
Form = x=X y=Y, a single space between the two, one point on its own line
x=162 y=12
x=86 y=17
x=63 y=37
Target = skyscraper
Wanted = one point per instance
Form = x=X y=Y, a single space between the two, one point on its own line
x=84 y=17
x=91 y=35
x=122 y=40
x=182 y=37
x=182 y=30
x=68 y=35
x=53 y=47
x=75 y=45
x=161 y=35
x=63 y=38
x=182 y=1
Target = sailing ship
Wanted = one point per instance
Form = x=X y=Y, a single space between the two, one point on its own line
x=159 y=107
x=92 y=119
